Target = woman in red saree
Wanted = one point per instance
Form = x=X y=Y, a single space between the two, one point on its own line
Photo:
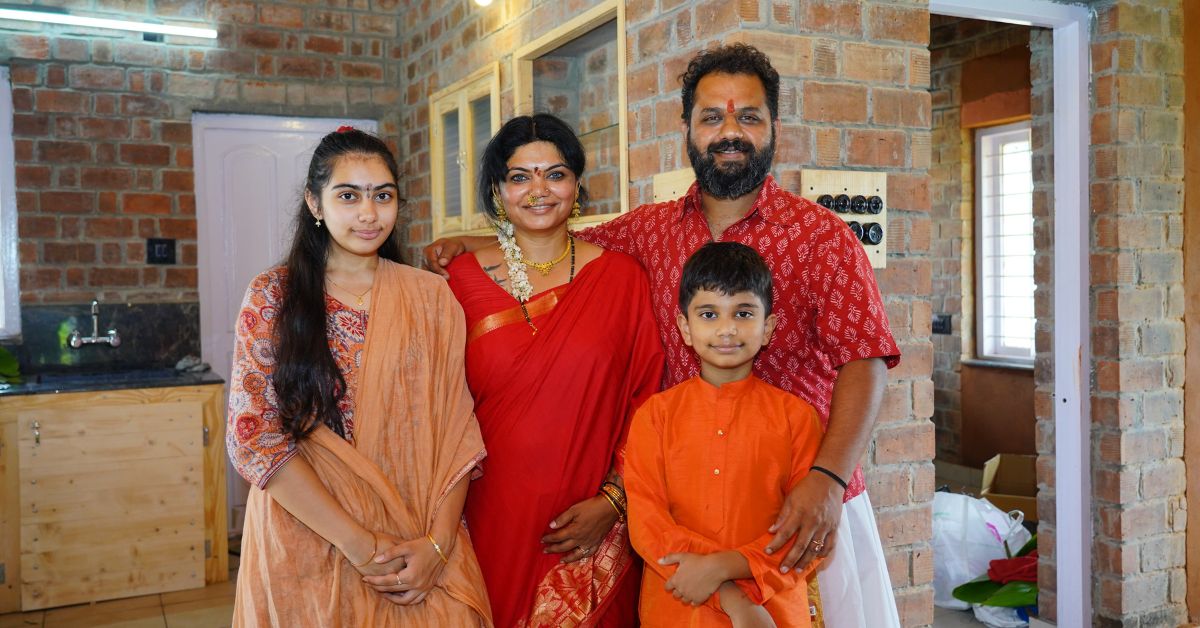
x=558 y=358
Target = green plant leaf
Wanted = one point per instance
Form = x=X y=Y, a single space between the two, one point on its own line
x=977 y=590
x=1014 y=595
x=1029 y=546
x=9 y=368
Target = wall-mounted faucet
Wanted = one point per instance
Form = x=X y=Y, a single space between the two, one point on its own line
x=77 y=340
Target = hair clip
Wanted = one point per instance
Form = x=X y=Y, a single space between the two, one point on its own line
x=345 y=128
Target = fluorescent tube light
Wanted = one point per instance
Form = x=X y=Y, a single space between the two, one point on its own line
x=47 y=17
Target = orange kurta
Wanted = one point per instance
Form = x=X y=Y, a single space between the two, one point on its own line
x=707 y=470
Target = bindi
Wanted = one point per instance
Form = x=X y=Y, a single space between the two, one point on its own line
x=729 y=106
x=537 y=170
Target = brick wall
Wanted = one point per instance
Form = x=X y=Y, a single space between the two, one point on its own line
x=102 y=128
x=1137 y=308
x=854 y=95
x=955 y=41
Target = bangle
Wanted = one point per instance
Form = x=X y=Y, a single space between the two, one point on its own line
x=831 y=474
x=374 y=551
x=438 y=548
x=616 y=496
x=613 y=502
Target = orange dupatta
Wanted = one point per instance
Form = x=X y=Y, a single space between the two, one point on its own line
x=415 y=437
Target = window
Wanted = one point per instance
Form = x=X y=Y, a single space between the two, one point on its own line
x=463 y=118
x=1004 y=243
x=10 y=296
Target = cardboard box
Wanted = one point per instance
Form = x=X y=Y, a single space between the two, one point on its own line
x=1010 y=482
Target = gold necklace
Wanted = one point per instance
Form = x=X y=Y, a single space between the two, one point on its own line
x=545 y=267
x=358 y=297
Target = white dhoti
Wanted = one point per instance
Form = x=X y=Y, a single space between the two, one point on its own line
x=856 y=591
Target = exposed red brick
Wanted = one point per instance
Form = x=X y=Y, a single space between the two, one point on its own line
x=145 y=203
x=67 y=202
x=832 y=102
x=146 y=154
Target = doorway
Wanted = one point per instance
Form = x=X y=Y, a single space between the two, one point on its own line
x=249 y=173
x=1069 y=357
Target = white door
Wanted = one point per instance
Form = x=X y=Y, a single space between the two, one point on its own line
x=249 y=175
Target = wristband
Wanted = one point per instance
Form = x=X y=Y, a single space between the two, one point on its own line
x=831 y=474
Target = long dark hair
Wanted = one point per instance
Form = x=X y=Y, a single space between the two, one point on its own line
x=517 y=132
x=307 y=381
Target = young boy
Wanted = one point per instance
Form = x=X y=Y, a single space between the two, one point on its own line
x=709 y=462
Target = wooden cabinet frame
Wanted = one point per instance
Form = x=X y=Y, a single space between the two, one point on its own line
x=458 y=97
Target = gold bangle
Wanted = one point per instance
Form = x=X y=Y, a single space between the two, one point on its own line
x=374 y=551
x=613 y=503
x=438 y=548
x=616 y=494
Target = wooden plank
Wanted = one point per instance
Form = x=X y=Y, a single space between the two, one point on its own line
x=183 y=553
x=166 y=445
x=108 y=420
x=128 y=502
x=10 y=519
x=216 y=507
x=75 y=586
x=59 y=535
x=1191 y=289
x=89 y=475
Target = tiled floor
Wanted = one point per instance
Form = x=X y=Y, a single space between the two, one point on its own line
x=945 y=618
x=210 y=607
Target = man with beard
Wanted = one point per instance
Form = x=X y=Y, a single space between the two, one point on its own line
x=832 y=344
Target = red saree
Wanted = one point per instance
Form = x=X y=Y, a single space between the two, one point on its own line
x=554 y=409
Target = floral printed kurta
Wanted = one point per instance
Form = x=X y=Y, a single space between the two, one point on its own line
x=257 y=444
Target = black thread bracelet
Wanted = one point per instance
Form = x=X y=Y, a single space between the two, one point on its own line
x=836 y=477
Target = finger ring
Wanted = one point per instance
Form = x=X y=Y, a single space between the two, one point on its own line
x=398 y=583
x=584 y=550
x=817 y=545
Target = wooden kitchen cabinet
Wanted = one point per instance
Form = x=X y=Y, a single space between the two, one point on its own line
x=111 y=494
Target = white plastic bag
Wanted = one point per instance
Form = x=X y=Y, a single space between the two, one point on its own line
x=969 y=533
x=998 y=616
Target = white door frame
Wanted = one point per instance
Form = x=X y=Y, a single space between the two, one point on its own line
x=1072 y=351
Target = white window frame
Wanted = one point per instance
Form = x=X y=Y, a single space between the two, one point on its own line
x=10 y=292
x=990 y=305
x=484 y=82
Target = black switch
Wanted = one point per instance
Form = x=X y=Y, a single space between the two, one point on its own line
x=160 y=250
x=874 y=205
x=841 y=203
x=941 y=323
x=825 y=200
x=858 y=204
x=872 y=233
x=856 y=228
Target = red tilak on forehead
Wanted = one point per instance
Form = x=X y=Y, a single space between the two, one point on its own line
x=537 y=170
x=729 y=106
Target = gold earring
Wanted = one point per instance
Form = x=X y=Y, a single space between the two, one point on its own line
x=575 y=210
x=501 y=215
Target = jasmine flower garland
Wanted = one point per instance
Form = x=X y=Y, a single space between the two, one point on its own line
x=519 y=285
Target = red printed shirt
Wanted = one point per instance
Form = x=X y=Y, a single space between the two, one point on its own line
x=825 y=297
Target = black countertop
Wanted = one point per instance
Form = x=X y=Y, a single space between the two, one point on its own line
x=107 y=380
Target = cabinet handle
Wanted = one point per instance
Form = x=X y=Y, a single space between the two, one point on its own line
x=37 y=434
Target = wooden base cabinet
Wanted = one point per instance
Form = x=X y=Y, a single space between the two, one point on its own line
x=111 y=494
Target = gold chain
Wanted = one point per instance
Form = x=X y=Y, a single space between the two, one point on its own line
x=358 y=297
x=545 y=267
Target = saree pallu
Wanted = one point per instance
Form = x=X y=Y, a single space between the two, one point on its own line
x=554 y=408
x=415 y=437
